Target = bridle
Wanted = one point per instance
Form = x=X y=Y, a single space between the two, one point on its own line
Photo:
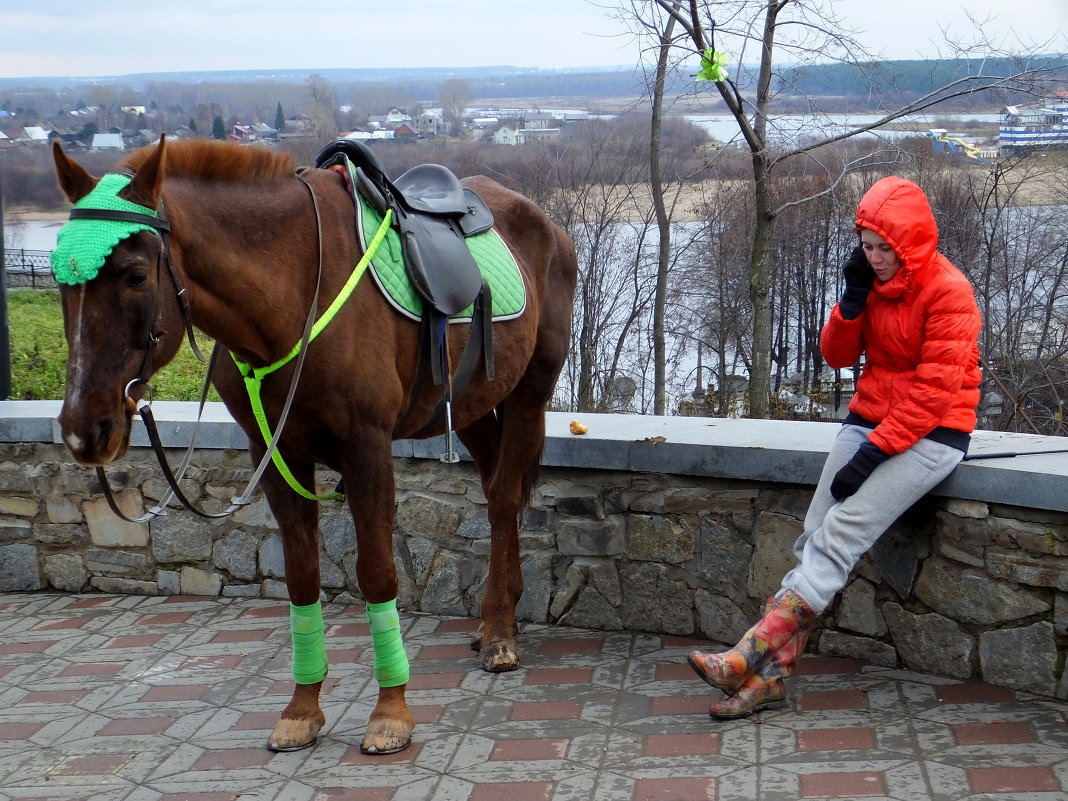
x=143 y=408
x=162 y=226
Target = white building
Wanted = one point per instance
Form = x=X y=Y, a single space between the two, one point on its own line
x=108 y=141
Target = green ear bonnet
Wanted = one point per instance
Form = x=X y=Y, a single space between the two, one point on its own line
x=83 y=245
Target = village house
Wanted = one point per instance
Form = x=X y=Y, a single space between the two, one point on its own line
x=242 y=133
x=538 y=121
x=506 y=135
x=406 y=132
x=108 y=141
x=431 y=122
x=391 y=120
x=33 y=135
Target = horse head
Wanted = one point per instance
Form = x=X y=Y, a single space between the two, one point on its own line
x=121 y=320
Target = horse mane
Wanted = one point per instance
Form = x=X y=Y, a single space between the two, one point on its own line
x=210 y=160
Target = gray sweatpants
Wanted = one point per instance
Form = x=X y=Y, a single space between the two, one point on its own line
x=837 y=534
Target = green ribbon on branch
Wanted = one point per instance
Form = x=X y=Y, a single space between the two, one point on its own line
x=713 y=66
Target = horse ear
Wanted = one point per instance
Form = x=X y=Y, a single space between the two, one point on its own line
x=147 y=182
x=75 y=182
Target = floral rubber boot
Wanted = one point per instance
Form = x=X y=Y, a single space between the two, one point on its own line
x=729 y=670
x=765 y=688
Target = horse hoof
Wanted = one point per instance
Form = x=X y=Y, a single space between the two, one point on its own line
x=499 y=658
x=479 y=635
x=386 y=737
x=293 y=735
x=389 y=748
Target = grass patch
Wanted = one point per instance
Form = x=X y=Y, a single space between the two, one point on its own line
x=39 y=353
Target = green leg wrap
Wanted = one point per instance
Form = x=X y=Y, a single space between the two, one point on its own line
x=391 y=663
x=309 y=643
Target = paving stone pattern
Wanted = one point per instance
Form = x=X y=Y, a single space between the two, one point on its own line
x=134 y=698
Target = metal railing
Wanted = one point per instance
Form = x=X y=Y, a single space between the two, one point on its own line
x=29 y=268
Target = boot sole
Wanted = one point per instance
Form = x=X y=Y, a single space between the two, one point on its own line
x=758 y=708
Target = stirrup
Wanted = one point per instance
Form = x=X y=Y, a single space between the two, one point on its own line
x=450 y=456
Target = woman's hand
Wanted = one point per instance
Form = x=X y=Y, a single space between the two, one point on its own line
x=856 y=471
x=859 y=277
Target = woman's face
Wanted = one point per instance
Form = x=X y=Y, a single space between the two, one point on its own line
x=882 y=258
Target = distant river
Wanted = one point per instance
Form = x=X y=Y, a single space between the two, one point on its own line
x=31 y=234
x=724 y=128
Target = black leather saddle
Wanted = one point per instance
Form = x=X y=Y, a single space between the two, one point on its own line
x=432 y=213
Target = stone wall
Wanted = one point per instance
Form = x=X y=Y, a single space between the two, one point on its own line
x=960 y=586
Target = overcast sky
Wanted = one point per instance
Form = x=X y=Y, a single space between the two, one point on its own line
x=117 y=37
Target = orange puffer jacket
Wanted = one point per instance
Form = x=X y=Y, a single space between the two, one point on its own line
x=919 y=329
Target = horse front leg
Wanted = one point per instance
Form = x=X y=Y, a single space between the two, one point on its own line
x=298 y=520
x=370 y=488
x=501 y=470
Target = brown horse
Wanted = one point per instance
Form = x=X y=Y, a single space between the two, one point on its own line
x=248 y=238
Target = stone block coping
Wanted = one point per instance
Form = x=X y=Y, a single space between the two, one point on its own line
x=778 y=451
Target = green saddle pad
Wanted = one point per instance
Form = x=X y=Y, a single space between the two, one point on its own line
x=494 y=259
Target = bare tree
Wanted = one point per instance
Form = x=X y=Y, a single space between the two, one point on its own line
x=1015 y=253
x=322 y=107
x=663 y=219
x=806 y=31
x=667 y=180
x=710 y=308
x=455 y=96
x=590 y=193
x=104 y=99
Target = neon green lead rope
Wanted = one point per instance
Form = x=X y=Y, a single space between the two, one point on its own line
x=254 y=375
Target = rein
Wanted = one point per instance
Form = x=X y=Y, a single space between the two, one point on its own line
x=253 y=377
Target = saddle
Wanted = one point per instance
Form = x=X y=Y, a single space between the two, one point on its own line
x=433 y=215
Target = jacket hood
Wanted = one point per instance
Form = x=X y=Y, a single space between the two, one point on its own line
x=899 y=212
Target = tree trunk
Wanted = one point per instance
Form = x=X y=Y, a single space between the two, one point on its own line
x=663 y=224
x=759 y=293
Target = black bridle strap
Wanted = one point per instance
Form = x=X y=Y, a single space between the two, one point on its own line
x=109 y=496
x=183 y=301
x=161 y=456
x=110 y=215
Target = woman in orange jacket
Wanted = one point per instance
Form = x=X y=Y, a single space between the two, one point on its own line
x=914 y=316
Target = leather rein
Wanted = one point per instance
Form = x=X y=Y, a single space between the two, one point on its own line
x=144 y=408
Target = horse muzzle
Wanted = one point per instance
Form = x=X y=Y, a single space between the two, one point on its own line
x=97 y=440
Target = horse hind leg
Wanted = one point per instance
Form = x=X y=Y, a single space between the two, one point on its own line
x=503 y=457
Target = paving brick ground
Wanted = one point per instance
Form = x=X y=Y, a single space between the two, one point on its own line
x=123 y=698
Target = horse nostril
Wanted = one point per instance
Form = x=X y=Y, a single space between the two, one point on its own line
x=101 y=435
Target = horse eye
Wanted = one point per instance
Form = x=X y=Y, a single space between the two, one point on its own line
x=136 y=279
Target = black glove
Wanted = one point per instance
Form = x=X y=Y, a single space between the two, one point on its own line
x=859 y=276
x=848 y=480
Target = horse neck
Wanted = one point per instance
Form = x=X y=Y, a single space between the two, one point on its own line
x=247 y=264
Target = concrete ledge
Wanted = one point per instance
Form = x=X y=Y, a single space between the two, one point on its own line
x=758 y=450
